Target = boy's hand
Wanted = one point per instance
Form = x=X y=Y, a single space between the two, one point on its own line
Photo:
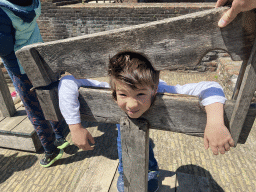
x=218 y=137
x=81 y=137
x=216 y=134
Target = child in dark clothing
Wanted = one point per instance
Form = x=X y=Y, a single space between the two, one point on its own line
x=18 y=28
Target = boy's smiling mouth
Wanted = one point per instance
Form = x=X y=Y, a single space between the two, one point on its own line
x=132 y=111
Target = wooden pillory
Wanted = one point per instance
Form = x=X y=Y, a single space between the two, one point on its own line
x=169 y=44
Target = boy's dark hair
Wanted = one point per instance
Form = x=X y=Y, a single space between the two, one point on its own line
x=133 y=69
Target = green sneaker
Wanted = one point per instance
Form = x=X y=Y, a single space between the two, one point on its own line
x=49 y=159
x=61 y=143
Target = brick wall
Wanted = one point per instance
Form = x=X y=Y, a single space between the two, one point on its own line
x=60 y=22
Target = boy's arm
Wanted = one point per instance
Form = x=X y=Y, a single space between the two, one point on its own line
x=216 y=134
x=69 y=107
x=211 y=95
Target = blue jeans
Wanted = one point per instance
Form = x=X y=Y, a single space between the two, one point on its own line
x=47 y=131
x=152 y=166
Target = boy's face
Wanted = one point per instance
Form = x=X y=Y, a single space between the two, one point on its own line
x=134 y=102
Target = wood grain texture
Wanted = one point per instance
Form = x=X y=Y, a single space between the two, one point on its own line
x=246 y=92
x=9 y=123
x=18 y=142
x=169 y=44
x=18 y=133
x=239 y=79
x=49 y=101
x=98 y=176
x=7 y=108
x=135 y=155
x=171 y=112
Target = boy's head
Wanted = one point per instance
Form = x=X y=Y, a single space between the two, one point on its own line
x=133 y=81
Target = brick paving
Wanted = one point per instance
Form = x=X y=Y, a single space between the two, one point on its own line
x=234 y=171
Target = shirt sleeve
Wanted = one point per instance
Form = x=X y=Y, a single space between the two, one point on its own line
x=208 y=91
x=68 y=96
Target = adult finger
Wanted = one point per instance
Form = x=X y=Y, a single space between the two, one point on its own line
x=228 y=16
x=220 y=3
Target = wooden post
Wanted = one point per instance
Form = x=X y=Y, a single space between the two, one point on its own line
x=135 y=155
x=239 y=79
x=49 y=101
x=244 y=97
x=7 y=107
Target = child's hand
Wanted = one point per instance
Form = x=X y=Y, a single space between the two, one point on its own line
x=81 y=137
x=218 y=137
x=216 y=134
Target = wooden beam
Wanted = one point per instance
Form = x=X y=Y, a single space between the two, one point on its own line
x=246 y=92
x=169 y=44
x=170 y=112
x=49 y=101
x=98 y=176
x=239 y=79
x=7 y=108
x=135 y=155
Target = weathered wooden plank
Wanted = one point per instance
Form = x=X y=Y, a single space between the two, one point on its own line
x=26 y=129
x=113 y=187
x=172 y=112
x=246 y=92
x=49 y=102
x=2 y=118
x=8 y=124
x=18 y=133
x=135 y=155
x=98 y=176
x=17 y=142
x=239 y=79
x=7 y=108
x=169 y=44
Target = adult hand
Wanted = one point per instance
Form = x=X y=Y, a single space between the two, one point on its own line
x=237 y=7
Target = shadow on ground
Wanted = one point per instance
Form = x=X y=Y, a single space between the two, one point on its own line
x=11 y=164
x=199 y=171
x=168 y=180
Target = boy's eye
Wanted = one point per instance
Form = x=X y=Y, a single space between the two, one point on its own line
x=121 y=94
x=140 y=94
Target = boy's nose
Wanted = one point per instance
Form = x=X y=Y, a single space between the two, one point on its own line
x=132 y=104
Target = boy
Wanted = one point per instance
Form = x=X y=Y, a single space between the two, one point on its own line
x=18 y=28
x=134 y=84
